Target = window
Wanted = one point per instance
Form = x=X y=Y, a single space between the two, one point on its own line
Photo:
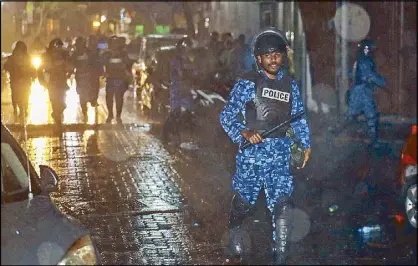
x=14 y=176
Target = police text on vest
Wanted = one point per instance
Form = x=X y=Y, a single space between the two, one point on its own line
x=275 y=95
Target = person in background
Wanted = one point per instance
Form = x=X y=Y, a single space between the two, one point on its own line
x=118 y=76
x=361 y=97
x=22 y=73
x=86 y=69
x=53 y=74
x=181 y=101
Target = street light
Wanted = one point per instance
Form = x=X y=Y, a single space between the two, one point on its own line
x=96 y=24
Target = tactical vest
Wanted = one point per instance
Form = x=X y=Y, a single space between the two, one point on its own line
x=81 y=61
x=116 y=66
x=57 y=68
x=271 y=105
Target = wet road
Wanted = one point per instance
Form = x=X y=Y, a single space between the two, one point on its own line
x=150 y=204
x=121 y=184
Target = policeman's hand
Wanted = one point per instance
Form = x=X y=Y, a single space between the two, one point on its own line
x=252 y=137
x=307 y=156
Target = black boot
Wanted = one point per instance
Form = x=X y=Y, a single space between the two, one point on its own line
x=282 y=219
x=238 y=241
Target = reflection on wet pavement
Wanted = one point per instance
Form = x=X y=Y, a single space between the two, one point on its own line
x=133 y=207
x=119 y=183
x=39 y=112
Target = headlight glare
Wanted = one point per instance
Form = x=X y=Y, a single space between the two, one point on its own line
x=81 y=253
x=36 y=61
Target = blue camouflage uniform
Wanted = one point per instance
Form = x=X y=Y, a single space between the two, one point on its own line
x=361 y=99
x=265 y=164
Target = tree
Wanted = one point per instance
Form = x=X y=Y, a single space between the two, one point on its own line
x=44 y=9
x=58 y=9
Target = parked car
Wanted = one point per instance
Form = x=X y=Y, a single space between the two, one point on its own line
x=408 y=177
x=154 y=82
x=33 y=230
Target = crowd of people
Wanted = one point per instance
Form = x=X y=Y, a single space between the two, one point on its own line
x=61 y=60
x=85 y=59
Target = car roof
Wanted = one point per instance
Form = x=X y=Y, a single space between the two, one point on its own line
x=165 y=36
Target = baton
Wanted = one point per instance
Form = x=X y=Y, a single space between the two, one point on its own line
x=268 y=132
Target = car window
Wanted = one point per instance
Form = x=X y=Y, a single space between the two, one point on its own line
x=154 y=43
x=14 y=177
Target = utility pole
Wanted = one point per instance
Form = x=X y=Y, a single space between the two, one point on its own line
x=341 y=60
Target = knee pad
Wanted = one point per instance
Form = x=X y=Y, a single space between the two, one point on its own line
x=282 y=210
x=240 y=206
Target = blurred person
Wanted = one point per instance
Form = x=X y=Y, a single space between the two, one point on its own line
x=226 y=36
x=22 y=73
x=37 y=47
x=87 y=71
x=214 y=44
x=226 y=55
x=118 y=77
x=360 y=98
x=96 y=57
x=53 y=74
x=182 y=74
x=263 y=99
x=249 y=63
x=238 y=56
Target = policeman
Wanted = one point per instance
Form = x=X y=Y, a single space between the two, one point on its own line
x=21 y=73
x=258 y=101
x=53 y=74
x=86 y=67
x=361 y=96
x=118 y=77
x=181 y=101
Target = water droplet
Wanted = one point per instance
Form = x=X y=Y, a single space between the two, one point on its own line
x=196 y=224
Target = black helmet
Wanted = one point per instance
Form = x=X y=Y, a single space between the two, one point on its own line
x=269 y=40
x=365 y=47
x=55 y=43
x=19 y=47
x=113 y=42
x=184 y=43
x=367 y=42
x=80 y=41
